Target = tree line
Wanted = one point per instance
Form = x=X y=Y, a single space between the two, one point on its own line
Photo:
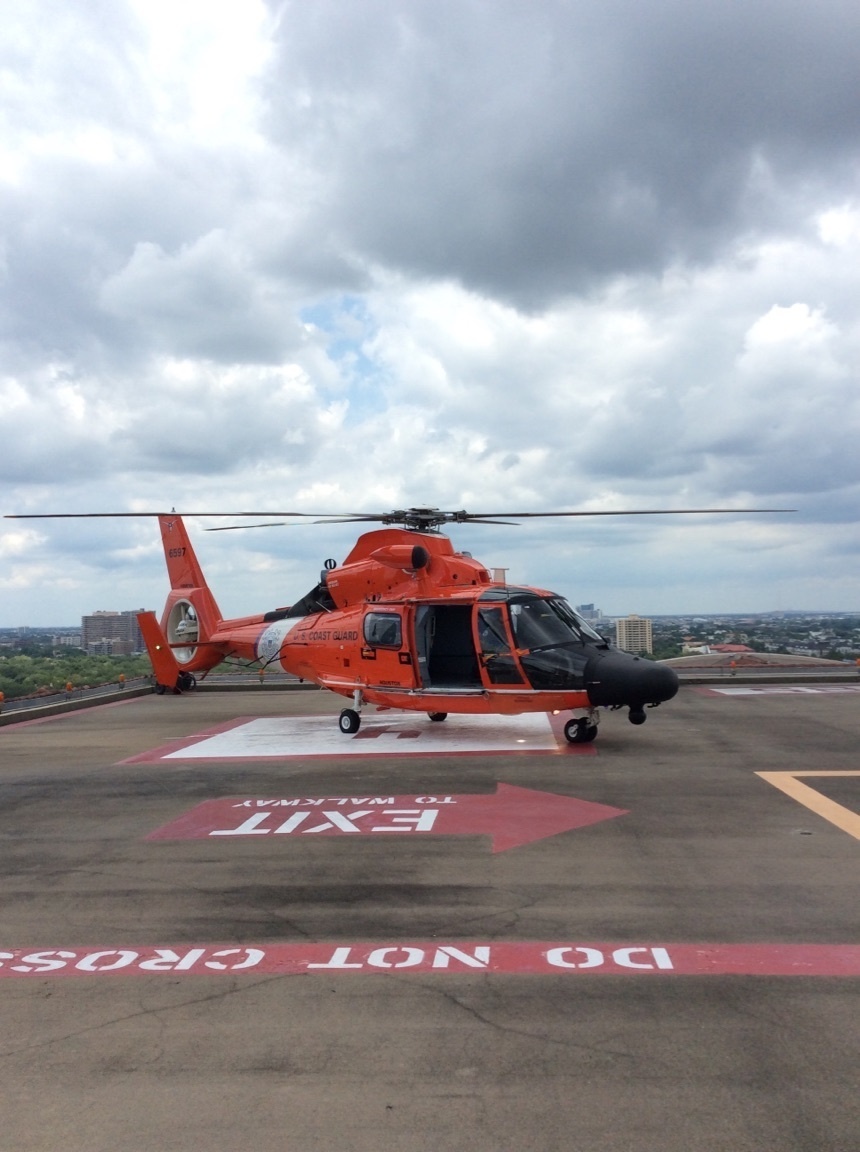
x=33 y=675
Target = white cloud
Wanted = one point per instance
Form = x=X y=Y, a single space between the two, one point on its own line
x=204 y=62
x=798 y=326
x=840 y=227
x=18 y=542
x=327 y=257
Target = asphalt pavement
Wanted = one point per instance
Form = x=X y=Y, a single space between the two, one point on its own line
x=227 y=926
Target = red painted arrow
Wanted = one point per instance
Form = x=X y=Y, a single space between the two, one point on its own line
x=516 y=816
x=511 y=816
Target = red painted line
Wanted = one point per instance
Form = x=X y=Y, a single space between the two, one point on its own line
x=511 y=816
x=524 y=958
x=154 y=755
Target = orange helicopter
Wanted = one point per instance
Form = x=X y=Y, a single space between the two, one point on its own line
x=408 y=622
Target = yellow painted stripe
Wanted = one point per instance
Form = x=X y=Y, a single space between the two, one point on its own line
x=823 y=772
x=837 y=814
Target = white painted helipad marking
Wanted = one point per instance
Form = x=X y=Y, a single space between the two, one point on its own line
x=392 y=734
x=786 y=690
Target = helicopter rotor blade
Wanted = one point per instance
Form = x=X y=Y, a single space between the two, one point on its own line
x=492 y=517
x=151 y=515
x=426 y=519
x=488 y=520
x=351 y=518
x=242 y=527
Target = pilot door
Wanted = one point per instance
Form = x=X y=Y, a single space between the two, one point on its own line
x=447 y=651
x=498 y=662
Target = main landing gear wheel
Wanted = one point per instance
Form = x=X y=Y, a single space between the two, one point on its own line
x=187 y=682
x=579 y=731
x=349 y=721
x=438 y=715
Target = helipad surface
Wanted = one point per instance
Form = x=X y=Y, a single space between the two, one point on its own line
x=275 y=943
x=381 y=733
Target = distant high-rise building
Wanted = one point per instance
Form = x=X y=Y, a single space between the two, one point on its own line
x=111 y=633
x=66 y=640
x=589 y=613
x=633 y=634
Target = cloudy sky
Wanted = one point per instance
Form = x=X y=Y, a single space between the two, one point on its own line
x=506 y=256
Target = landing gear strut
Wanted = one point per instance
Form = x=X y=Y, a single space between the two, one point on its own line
x=349 y=720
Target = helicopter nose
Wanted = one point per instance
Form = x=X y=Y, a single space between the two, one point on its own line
x=615 y=679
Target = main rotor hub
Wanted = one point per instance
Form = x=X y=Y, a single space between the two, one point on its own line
x=423 y=519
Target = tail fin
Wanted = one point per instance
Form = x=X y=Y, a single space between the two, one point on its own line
x=183 y=567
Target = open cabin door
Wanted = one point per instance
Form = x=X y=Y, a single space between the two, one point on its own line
x=446 y=646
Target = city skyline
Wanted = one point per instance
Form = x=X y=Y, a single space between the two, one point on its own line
x=605 y=617
x=46 y=621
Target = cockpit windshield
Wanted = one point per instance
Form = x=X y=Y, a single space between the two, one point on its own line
x=539 y=623
x=565 y=612
x=552 y=641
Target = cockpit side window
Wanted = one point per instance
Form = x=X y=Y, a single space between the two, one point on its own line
x=383 y=630
x=494 y=649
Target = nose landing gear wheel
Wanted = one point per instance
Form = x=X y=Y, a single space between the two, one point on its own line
x=579 y=731
x=438 y=715
x=349 y=721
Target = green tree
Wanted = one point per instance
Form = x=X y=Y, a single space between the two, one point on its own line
x=24 y=675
